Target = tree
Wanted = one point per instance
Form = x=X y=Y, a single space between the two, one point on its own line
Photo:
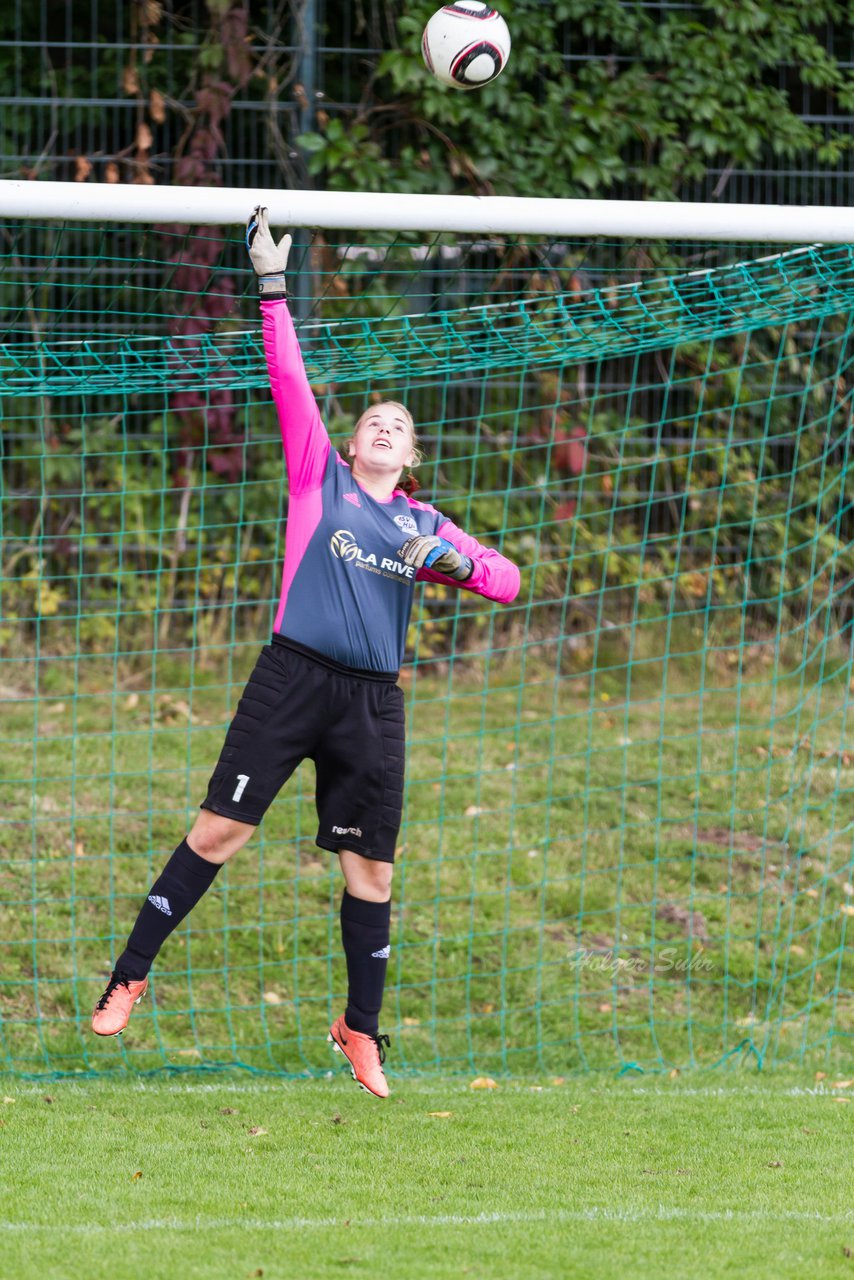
x=600 y=96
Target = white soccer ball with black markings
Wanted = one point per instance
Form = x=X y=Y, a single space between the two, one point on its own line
x=466 y=45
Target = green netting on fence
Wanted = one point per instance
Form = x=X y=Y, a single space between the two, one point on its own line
x=630 y=802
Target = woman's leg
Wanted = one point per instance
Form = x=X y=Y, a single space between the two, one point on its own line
x=366 y=878
x=365 y=930
x=216 y=839
x=365 y=926
x=188 y=874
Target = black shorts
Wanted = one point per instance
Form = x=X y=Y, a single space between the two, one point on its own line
x=300 y=705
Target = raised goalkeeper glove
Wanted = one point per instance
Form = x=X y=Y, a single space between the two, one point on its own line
x=268 y=258
x=429 y=552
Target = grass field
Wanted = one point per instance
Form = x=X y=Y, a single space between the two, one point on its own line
x=649 y=863
x=226 y=1179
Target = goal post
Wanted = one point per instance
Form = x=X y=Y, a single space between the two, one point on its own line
x=627 y=840
x=477 y=215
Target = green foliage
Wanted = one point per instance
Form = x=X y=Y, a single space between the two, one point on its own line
x=649 y=99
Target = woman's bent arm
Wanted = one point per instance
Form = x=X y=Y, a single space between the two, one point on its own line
x=492 y=575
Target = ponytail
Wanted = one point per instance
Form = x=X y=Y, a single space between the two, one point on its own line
x=409 y=484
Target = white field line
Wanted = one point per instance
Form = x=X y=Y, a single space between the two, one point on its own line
x=660 y=1214
x=759 y=1089
x=584 y=1087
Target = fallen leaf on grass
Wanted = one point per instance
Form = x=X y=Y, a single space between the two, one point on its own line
x=229 y=1111
x=136 y=1177
x=273 y=997
x=483 y=1082
x=848 y=1253
x=671 y=1075
x=49 y=1099
x=412 y=1022
x=841 y=1099
x=189 y=1053
x=847 y=909
x=257 y=1132
x=775 y=1164
x=842 y=1084
x=820 y=1075
x=6 y=1101
x=441 y=1115
x=557 y=1080
x=338 y=1118
x=472 y=811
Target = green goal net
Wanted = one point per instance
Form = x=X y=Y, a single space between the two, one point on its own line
x=627 y=840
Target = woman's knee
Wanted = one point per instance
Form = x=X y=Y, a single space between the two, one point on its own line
x=366 y=878
x=216 y=838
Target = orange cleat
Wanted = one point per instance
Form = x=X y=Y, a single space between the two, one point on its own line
x=111 y=1013
x=366 y=1055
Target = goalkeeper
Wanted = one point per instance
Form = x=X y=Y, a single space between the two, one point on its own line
x=325 y=687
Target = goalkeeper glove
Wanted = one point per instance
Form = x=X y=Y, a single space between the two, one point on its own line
x=268 y=258
x=429 y=552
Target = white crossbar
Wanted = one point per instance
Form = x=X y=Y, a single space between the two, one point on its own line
x=359 y=211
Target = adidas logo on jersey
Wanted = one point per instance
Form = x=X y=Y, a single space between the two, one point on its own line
x=352 y=497
x=381 y=955
x=162 y=904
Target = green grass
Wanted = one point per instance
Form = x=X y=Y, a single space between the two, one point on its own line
x=709 y=1176
x=648 y=862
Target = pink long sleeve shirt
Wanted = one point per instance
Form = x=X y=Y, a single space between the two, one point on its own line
x=346 y=592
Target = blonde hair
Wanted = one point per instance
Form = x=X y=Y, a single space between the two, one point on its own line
x=409 y=484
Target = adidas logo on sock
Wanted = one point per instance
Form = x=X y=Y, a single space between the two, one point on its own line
x=162 y=904
x=381 y=955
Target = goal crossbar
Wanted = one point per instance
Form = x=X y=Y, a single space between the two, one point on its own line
x=353 y=210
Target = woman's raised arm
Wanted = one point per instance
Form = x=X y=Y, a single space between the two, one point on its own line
x=304 y=436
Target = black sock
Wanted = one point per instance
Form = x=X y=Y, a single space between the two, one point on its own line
x=175 y=892
x=365 y=930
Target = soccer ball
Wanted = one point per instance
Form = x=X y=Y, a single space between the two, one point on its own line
x=466 y=44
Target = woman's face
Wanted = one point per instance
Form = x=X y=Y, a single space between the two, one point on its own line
x=383 y=443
